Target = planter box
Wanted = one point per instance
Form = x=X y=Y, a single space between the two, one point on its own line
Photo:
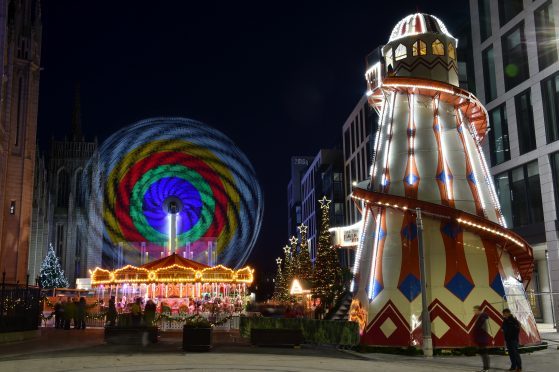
x=276 y=337
x=196 y=339
x=131 y=335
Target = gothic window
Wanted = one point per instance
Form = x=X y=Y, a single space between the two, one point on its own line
x=401 y=52
x=438 y=48
x=451 y=51
x=388 y=58
x=62 y=189
x=79 y=192
x=419 y=48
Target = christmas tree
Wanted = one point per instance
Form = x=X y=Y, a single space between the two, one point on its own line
x=52 y=275
x=279 y=283
x=295 y=259
x=327 y=272
x=304 y=257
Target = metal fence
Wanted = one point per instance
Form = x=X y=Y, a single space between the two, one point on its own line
x=20 y=307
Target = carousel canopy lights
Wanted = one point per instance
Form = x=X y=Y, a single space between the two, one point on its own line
x=165 y=270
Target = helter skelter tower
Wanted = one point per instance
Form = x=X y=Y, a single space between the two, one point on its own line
x=430 y=210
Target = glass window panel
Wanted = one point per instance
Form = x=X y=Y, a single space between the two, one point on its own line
x=401 y=52
x=438 y=48
x=422 y=48
x=451 y=51
x=503 y=191
x=484 y=18
x=525 y=122
x=388 y=58
x=499 y=136
x=545 y=35
x=550 y=95
x=508 y=9
x=534 y=193
x=520 y=213
x=490 y=83
x=555 y=171
x=515 y=59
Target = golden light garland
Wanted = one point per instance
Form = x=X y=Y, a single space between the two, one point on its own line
x=171 y=274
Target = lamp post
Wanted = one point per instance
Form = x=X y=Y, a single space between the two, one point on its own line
x=425 y=318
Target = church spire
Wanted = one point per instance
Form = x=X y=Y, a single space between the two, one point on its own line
x=77 y=134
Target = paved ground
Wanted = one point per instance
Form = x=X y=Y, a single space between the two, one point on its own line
x=85 y=351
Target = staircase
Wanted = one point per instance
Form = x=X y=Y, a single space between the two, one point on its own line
x=341 y=310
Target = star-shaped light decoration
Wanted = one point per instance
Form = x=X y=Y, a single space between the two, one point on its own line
x=324 y=202
x=293 y=240
x=287 y=250
x=278 y=261
x=302 y=228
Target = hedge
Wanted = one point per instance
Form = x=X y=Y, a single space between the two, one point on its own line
x=329 y=332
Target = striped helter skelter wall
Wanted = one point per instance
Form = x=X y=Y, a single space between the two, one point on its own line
x=426 y=151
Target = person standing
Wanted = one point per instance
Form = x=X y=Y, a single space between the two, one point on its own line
x=481 y=336
x=58 y=312
x=136 y=311
x=69 y=310
x=80 y=313
x=149 y=313
x=511 y=331
x=111 y=312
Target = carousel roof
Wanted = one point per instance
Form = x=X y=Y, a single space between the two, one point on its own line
x=171 y=269
x=171 y=260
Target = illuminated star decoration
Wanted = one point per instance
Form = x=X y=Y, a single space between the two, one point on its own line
x=278 y=261
x=302 y=228
x=287 y=250
x=324 y=202
x=293 y=240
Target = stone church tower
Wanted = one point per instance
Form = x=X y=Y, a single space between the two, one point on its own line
x=67 y=212
x=20 y=55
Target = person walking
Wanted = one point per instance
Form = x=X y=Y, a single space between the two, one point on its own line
x=511 y=331
x=481 y=337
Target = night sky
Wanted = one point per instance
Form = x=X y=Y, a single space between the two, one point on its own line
x=278 y=78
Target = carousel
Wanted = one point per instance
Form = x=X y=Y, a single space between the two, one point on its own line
x=182 y=285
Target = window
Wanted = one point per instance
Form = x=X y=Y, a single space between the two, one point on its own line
x=550 y=95
x=489 y=81
x=419 y=47
x=388 y=58
x=346 y=144
x=555 y=170
x=545 y=35
x=59 y=240
x=438 y=48
x=515 y=60
x=520 y=195
x=525 y=122
x=484 y=18
x=79 y=189
x=499 y=136
x=62 y=190
x=401 y=52
x=508 y=9
x=451 y=51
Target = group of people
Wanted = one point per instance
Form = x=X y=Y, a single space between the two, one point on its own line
x=68 y=311
x=511 y=331
x=134 y=309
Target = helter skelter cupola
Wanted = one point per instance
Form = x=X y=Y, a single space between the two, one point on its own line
x=427 y=156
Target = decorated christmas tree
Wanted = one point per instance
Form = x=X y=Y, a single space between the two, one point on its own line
x=304 y=257
x=52 y=275
x=327 y=272
x=279 y=284
x=295 y=259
